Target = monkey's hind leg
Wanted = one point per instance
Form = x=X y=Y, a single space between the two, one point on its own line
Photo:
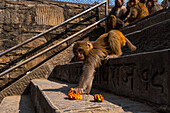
x=115 y=46
x=116 y=49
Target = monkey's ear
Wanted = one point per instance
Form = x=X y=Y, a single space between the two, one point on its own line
x=89 y=45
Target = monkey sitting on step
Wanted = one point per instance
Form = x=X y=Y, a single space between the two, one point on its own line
x=106 y=46
x=136 y=10
x=119 y=9
x=153 y=6
x=114 y=23
x=116 y=16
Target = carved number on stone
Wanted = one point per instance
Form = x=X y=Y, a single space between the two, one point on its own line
x=155 y=78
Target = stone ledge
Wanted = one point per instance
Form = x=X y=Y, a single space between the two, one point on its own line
x=40 y=100
x=51 y=97
x=144 y=76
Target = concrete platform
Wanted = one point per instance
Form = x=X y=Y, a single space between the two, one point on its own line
x=51 y=97
x=17 y=104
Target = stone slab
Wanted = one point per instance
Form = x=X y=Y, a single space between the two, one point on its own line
x=55 y=95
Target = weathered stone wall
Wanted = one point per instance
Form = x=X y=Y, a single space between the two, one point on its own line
x=22 y=20
x=144 y=76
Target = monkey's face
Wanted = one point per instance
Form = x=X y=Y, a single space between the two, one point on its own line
x=132 y=2
x=118 y=3
x=149 y=4
x=81 y=49
x=79 y=54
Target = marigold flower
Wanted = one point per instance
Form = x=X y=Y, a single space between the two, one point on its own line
x=74 y=95
x=98 y=98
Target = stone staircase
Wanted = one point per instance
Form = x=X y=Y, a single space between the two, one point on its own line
x=51 y=97
x=142 y=76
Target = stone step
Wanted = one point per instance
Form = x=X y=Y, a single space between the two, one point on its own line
x=150 y=20
x=148 y=39
x=17 y=104
x=51 y=97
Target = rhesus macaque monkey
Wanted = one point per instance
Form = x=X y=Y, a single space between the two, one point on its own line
x=137 y=10
x=116 y=16
x=119 y=9
x=106 y=46
x=114 y=23
x=153 y=6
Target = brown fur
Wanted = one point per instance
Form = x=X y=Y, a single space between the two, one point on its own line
x=136 y=11
x=119 y=9
x=153 y=6
x=116 y=16
x=107 y=45
x=114 y=23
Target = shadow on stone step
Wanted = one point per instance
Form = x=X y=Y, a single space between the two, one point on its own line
x=25 y=105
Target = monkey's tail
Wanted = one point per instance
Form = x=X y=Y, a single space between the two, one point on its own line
x=130 y=45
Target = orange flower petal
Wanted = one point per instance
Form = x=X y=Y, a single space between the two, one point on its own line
x=73 y=95
x=98 y=98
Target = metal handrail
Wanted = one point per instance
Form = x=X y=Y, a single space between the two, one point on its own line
x=55 y=45
x=53 y=28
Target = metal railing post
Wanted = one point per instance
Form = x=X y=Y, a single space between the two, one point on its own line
x=106 y=13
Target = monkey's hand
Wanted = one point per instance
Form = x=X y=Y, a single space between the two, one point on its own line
x=80 y=90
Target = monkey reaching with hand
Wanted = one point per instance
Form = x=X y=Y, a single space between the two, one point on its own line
x=106 y=46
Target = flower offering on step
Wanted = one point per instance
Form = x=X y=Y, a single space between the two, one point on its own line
x=98 y=98
x=74 y=95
